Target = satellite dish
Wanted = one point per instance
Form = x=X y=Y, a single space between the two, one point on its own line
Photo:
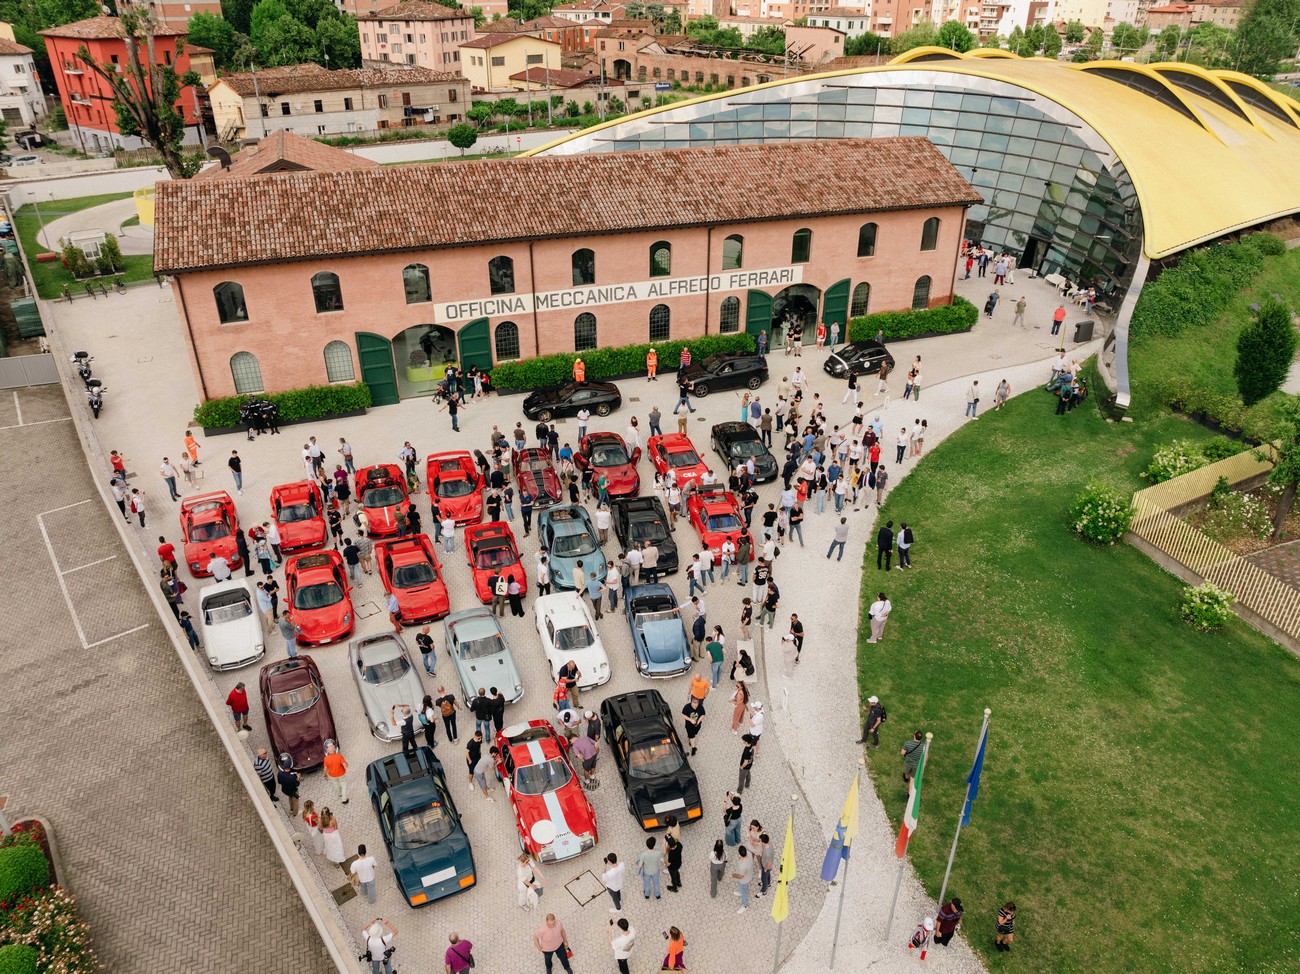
x=220 y=154
x=544 y=832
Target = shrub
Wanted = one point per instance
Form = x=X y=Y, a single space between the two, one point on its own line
x=1101 y=514
x=1220 y=493
x=111 y=249
x=1232 y=516
x=50 y=922
x=1174 y=460
x=1196 y=291
x=606 y=363
x=1268 y=244
x=17 y=959
x=1206 y=606
x=961 y=315
x=23 y=868
x=1265 y=350
x=1220 y=448
x=312 y=402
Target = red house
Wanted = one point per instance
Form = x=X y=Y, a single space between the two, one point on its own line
x=87 y=100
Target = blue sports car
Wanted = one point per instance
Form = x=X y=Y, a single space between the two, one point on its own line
x=658 y=635
x=567 y=536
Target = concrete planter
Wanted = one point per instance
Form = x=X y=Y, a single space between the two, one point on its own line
x=224 y=430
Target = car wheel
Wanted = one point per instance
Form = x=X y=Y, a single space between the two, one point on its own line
x=701 y=389
x=604 y=409
x=755 y=381
x=545 y=416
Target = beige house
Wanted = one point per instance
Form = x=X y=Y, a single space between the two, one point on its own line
x=414 y=33
x=490 y=60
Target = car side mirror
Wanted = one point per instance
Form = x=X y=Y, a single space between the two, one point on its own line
x=636 y=455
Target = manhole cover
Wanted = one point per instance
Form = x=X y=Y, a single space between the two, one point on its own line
x=584 y=887
x=366 y=609
x=633 y=398
x=147 y=358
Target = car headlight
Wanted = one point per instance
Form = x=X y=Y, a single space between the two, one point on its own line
x=519 y=688
x=213 y=660
x=644 y=665
x=604 y=667
x=347 y=617
x=547 y=854
x=586 y=841
x=382 y=727
x=194 y=566
x=259 y=648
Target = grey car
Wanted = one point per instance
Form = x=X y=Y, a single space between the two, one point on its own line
x=481 y=655
x=385 y=679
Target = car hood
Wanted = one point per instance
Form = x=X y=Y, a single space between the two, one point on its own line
x=567 y=809
x=231 y=642
x=515 y=572
x=325 y=623
x=202 y=552
x=593 y=663
x=622 y=479
x=382 y=520
x=498 y=670
x=542 y=397
x=463 y=510
x=434 y=869
x=662 y=644
x=303 y=735
x=302 y=534
x=424 y=601
x=380 y=698
x=562 y=568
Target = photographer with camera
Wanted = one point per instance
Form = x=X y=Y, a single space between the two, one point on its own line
x=378 y=936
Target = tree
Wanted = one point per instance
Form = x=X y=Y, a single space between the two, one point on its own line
x=1095 y=40
x=991 y=40
x=1268 y=34
x=921 y=35
x=673 y=22
x=865 y=44
x=1033 y=41
x=209 y=30
x=1124 y=38
x=955 y=37
x=1286 y=432
x=769 y=39
x=1265 y=349
x=462 y=136
x=1051 y=42
x=1211 y=46
x=572 y=109
x=56 y=13
x=339 y=41
x=615 y=106
x=1167 y=42
x=481 y=113
x=1074 y=32
x=145 y=92
x=1015 y=39
x=239 y=14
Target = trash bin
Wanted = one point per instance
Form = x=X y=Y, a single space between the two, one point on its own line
x=1083 y=331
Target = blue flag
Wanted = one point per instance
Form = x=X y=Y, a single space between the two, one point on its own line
x=842 y=840
x=973 y=779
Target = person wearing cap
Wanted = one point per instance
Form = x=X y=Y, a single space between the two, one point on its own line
x=875 y=717
x=756 y=720
x=289 y=780
x=593 y=725
x=651 y=365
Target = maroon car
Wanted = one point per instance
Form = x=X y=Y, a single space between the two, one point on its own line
x=534 y=470
x=607 y=454
x=297 y=711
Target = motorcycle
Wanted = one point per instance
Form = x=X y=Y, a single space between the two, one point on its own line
x=95 y=396
x=82 y=361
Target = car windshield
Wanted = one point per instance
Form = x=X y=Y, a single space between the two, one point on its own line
x=415 y=575
x=723 y=522
x=654 y=759
x=385 y=670
x=480 y=644
x=455 y=488
x=648 y=530
x=227 y=607
x=294 y=700
x=382 y=497
x=534 y=464
x=683 y=458
x=297 y=512
x=609 y=455
x=575 y=637
x=652 y=612
x=497 y=555
x=855 y=352
x=713 y=363
x=747 y=448
x=538 y=779
x=320 y=596
x=572 y=545
x=422 y=826
x=210 y=531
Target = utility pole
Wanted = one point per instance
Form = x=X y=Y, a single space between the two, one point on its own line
x=257 y=93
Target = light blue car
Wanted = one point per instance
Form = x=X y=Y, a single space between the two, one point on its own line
x=567 y=536
x=658 y=635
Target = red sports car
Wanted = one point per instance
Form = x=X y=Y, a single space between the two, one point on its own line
x=676 y=452
x=454 y=479
x=299 y=513
x=381 y=492
x=491 y=550
x=534 y=470
x=316 y=587
x=607 y=454
x=409 y=569
x=554 y=817
x=208 y=525
x=716 y=516
x=297 y=711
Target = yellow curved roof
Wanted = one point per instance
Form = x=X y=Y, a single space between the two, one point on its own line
x=1198 y=175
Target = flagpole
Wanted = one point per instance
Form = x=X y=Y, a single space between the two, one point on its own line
x=889 y=924
x=776 y=960
x=961 y=816
x=844 y=885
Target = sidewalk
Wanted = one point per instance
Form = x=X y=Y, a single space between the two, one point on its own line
x=107 y=217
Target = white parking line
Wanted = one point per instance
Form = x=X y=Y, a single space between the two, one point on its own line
x=89 y=564
x=18 y=407
x=39 y=422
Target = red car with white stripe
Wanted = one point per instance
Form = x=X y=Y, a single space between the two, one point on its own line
x=455 y=481
x=554 y=817
x=677 y=453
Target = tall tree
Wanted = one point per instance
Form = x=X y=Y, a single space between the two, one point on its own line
x=1074 y=32
x=239 y=14
x=955 y=37
x=1286 y=474
x=921 y=35
x=1051 y=42
x=1267 y=35
x=769 y=39
x=865 y=44
x=1265 y=350
x=991 y=40
x=1124 y=38
x=209 y=30
x=1167 y=42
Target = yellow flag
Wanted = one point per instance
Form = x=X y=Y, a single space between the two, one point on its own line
x=781 y=902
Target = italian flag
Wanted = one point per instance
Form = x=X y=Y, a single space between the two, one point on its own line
x=912 y=813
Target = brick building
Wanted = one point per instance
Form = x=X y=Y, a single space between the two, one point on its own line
x=175 y=14
x=629 y=55
x=417 y=33
x=328 y=276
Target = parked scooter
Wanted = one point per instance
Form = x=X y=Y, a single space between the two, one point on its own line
x=82 y=361
x=95 y=396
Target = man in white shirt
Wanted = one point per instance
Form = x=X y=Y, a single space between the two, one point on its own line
x=603 y=520
x=363 y=867
x=708 y=478
x=634 y=561
x=543 y=574
x=612 y=877
x=879 y=613
x=219 y=568
x=168 y=474
x=650 y=562
x=273 y=538
x=378 y=938
x=448 y=533
x=622 y=938
x=797 y=381
x=728 y=554
x=613 y=583
x=584 y=414
x=706 y=565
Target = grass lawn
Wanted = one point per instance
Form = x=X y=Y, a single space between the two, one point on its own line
x=1140 y=788
x=49 y=278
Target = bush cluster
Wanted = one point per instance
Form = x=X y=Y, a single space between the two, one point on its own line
x=49 y=921
x=961 y=315
x=17 y=959
x=1206 y=606
x=1174 y=460
x=1233 y=515
x=23 y=868
x=544 y=371
x=1101 y=514
x=312 y=402
x=1228 y=411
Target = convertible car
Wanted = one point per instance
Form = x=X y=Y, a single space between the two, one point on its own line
x=297 y=711
x=658 y=635
x=230 y=626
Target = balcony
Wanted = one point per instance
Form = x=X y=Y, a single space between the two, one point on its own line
x=73 y=67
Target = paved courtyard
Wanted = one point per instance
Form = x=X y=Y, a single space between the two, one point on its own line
x=808 y=754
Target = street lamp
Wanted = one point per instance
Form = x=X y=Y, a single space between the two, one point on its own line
x=36 y=202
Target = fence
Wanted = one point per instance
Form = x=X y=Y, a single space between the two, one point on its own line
x=1158 y=523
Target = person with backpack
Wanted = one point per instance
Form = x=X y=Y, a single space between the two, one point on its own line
x=447 y=707
x=875 y=717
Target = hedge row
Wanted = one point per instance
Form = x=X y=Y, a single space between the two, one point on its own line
x=607 y=363
x=961 y=315
x=23 y=868
x=1229 y=412
x=312 y=402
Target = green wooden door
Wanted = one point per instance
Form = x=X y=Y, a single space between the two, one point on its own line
x=835 y=305
x=758 y=314
x=476 y=345
x=376 y=356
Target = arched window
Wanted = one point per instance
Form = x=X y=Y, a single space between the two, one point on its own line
x=584 y=267
x=930 y=234
x=801 y=246
x=867 y=240
x=338 y=363
x=325 y=288
x=660 y=323
x=507 y=341
x=733 y=252
x=861 y=300
x=246 y=372
x=729 y=316
x=661 y=259
x=584 y=332
x=415 y=279
x=921 y=293
x=501 y=275
x=230 y=302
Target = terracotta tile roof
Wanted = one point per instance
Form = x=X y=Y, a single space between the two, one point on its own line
x=562 y=78
x=297 y=79
x=283 y=152
x=589 y=5
x=300 y=216
x=10 y=47
x=552 y=23
x=103 y=28
x=496 y=40
x=415 y=10
x=506 y=25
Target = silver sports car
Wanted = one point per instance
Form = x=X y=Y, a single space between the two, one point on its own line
x=482 y=656
x=386 y=681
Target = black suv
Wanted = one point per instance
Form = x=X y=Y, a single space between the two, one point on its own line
x=727 y=370
x=656 y=773
x=863 y=358
x=643 y=519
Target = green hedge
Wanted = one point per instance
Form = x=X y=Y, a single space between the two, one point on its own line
x=17 y=959
x=605 y=363
x=23 y=868
x=313 y=402
x=961 y=315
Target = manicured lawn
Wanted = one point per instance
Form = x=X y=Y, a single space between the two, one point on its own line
x=49 y=278
x=1140 y=789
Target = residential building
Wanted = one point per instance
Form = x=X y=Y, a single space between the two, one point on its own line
x=283 y=152
x=490 y=60
x=175 y=14
x=1090 y=13
x=851 y=22
x=814 y=45
x=22 y=103
x=889 y=18
x=582 y=11
x=1004 y=16
x=1225 y=13
x=707 y=8
x=416 y=33
x=632 y=56
x=1170 y=15
x=570 y=35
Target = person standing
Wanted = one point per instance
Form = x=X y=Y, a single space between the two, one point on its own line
x=743 y=872
x=473 y=752
x=612 y=879
x=885 y=546
x=459 y=956
x=266 y=772
x=526 y=508
x=192 y=447
x=871 y=727
x=363 y=868
x=1001 y=394
x=684 y=387
x=236 y=466
x=648 y=866
x=543 y=574
x=336 y=770
x=553 y=942
x=447 y=706
x=622 y=940
x=1006 y=926
x=841 y=536
x=879 y=614
x=481 y=707
x=796 y=634
x=674 y=862
x=289 y=781
x=168 y=474
x=137 y=504
x=905 y=539
x=746 y=763
x=766 y=856
x=948 y=921
x=973 y=399
x=654 y=418
x=882 y=481
x=716 y=655
x=693 y=719
x=237 y=701
x=448 y=533
x=1019 y=320
x=911 y=754
x=1058 y=318
x=241 y=548
x=717 y=867
x=732 y=813
x=498 y=702
x=289 y=631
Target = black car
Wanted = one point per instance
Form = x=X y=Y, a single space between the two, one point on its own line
x=736 y=443
x=601 y=398
x=656 y=773
x=863 y=358
x=727 y=370
x=638 y=519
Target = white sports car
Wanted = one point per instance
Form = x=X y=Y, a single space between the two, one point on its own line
x=385 y=679
x=568 y=632
x=230 y=627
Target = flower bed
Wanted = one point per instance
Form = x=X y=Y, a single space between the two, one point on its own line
x=1242 y=521
x=36 y=914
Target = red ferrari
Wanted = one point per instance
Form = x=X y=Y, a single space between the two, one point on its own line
x=607 y=454
x=381 y=492
x=316 y=587
x=554 y=817
x=491 y=550
x=455 y=480
x=208 y=525
x=297 y=711
x=409 y=569
x=299 y=513
x=676 y=452
x=534 y=470
x=716 y=516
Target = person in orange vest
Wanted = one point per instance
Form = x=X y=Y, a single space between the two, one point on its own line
x=579 y=370
x=651 y=365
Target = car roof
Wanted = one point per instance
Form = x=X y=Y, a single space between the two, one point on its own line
x=637 y=705
x=604 y=436
x=735 y=428
x=282 y=675
x=638 y=505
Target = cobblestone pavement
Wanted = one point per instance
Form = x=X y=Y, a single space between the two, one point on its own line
x=1281 y=561
x=101 y=734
